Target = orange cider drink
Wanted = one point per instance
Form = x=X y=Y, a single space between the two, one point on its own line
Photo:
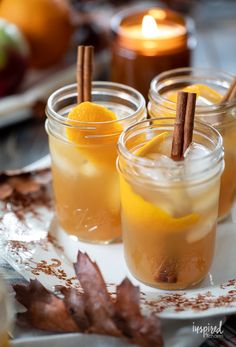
x=83 y=140
x=169 y=208
x=210 y=87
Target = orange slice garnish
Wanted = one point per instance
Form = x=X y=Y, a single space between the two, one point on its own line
x=201 y=90
x=150 y=216
x=96 y=135
x=152 y=146
x=205 y=92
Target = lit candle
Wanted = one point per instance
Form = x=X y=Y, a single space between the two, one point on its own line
x=147 y=43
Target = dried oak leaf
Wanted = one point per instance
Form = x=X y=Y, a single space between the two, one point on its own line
x=75 y=304
x=5 y=191
x=22 y=182
x=99 y=306
x=142 y=330
x=45 y=311
x=24 y=185
x=92 y=311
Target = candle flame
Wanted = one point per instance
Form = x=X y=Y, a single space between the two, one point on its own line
x=149 y=27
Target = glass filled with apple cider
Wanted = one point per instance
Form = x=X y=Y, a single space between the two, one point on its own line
x=83 y=145
x=169 y=208
x=211 y=86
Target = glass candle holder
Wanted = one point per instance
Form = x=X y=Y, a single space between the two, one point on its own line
x=222 y=117
x=85 y=181
x=169 y=208
x=147 y=42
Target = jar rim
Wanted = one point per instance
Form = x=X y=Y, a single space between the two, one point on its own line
x=51 y=113
x=156 y=85
x=152 y=163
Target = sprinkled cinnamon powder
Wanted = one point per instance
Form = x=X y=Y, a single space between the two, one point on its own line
x=29 y=198
x=200 y=302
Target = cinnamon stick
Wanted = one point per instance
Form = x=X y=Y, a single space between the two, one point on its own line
x=87 y=73
x=80 y=67
x=183 y=130
x=231 y=93
x=84 y=73
x=167 y=272
x=189 y=120
x=178 y=134
x=182 y=137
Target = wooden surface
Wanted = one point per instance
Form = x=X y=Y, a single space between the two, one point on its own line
x=24 y=143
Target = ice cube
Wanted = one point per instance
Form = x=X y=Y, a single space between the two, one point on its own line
x=162 y=164
x=192 y=157
x=160 y=159
x=201 y=101
x=205 y=197
x=172 y=199
x=164 y=147
x=203 y=228
x=89 y=169
x=64 y=163
x=195 y=151
x=65 y=157
x=164 y=169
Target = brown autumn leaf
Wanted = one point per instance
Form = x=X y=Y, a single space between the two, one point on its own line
x=144 y=331
x=98 y=303
x=75 y=304
x=22 y=182
x=127 y=305
x=24 y=185
x=44 y=310
x=92 y=311
x=5 y=191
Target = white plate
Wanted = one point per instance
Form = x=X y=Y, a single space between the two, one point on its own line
x=71 y=340
x=32 y=254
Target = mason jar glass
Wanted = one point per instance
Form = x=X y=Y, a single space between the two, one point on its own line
x=5 y=314
x=169 y=208
x=83 y=157
x=221 y=116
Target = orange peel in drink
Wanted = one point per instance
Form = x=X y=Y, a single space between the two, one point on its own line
x=204 y=91
x=201 y=90
x=152 y=146
x=146 y=213
x=151 y=217
x=96 y=132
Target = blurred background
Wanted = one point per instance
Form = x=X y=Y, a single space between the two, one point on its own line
x=38 y=46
